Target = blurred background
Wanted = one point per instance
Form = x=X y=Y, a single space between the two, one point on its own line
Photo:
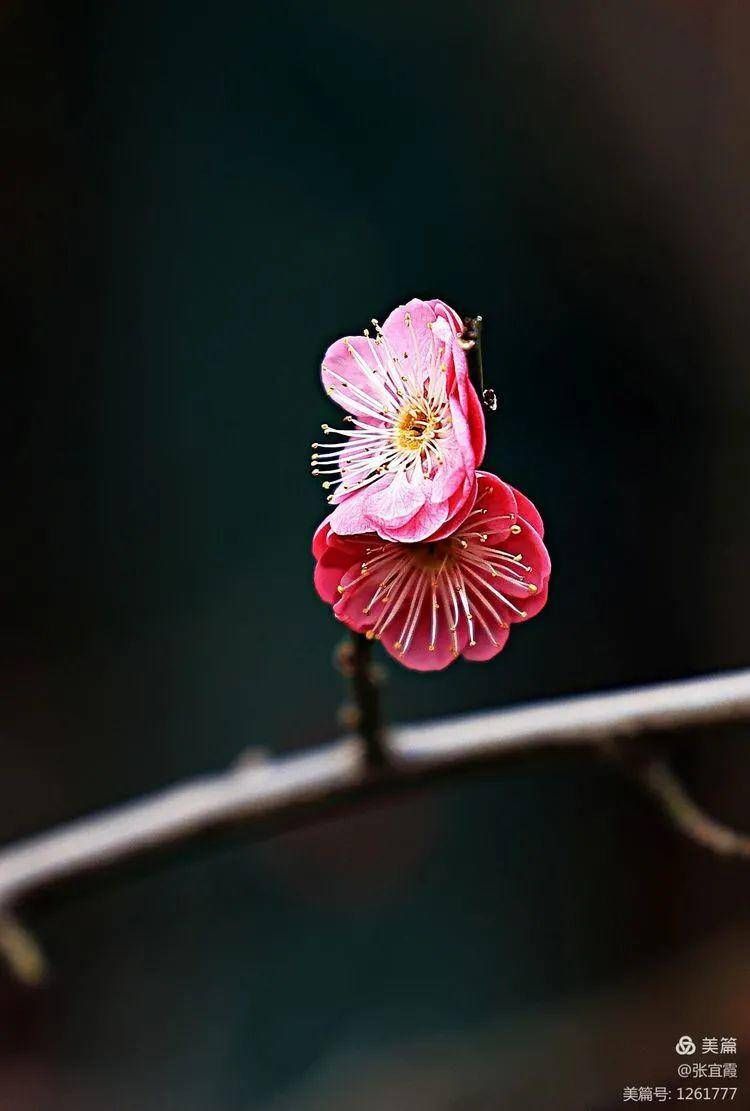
x=196 y=201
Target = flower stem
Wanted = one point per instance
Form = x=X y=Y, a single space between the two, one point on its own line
x=355 y=660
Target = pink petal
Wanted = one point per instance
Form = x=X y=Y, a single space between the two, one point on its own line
x=412 y=344
x=533 y=550
x=448 y=314
x=399 y=510
x=484 y=648
x=320 y=538
x=536 y=602
x=429 y=520
x=351 y=517
x=529 y=511
x=460 y=506
x=351 y=605
x=452 y=473
x=468 y=401
x=329 y=571
x=498 y=499
x=349 y=383
x=418 y=656
x=397 y=502
x=475 y=418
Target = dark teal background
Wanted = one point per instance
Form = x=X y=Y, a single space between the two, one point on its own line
x=198 y=200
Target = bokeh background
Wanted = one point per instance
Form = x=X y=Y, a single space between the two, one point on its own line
x=196 y=200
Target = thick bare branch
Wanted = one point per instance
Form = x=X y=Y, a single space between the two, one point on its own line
x=299 y=785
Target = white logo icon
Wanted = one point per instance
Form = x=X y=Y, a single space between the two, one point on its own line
x=685 y=1045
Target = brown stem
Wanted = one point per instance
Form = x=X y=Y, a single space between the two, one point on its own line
x=366 y=687
x=355 y=660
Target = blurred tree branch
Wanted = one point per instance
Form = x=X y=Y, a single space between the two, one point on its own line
x=668 y=790
x=298 y=788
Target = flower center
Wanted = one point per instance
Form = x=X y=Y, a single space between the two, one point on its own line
x=433 y=556
x=416 y=427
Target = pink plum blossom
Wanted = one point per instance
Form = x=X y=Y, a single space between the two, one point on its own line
x=432 y=601
x=403 y=464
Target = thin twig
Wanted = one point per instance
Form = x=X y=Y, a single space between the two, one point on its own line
x=470 y=341
x=304 y=785
x=668 y=790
